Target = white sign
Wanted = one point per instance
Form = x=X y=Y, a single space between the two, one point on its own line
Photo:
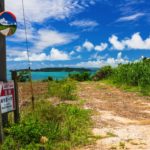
x=6 y=103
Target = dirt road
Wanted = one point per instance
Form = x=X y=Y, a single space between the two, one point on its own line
x=121 y=119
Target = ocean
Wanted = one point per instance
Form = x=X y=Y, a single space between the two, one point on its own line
x=45 y=75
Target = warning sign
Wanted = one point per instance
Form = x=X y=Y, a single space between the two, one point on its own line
x=7 y=98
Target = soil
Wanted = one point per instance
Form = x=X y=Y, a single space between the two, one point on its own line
x=121 y=119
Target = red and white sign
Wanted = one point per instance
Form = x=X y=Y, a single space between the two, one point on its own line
x=7 y=96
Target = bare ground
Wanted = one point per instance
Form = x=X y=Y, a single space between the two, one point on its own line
x=121 y=119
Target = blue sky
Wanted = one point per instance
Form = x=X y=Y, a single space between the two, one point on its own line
x=7 y=19
x=79 y=33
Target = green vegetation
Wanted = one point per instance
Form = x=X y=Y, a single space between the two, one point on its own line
x=48 y=79
x=23 y=76
x=12 y=27
x=84 y=76
x=59 y=69
x=64 y=89
x=136 y=74
x=60 y=127
x=103 y=73
x=2 y=27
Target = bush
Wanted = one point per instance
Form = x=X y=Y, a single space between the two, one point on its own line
x=85 y=76
x=23 y=76
x=103 y=73
x=65 y=89
x=64 y=126
x=48 y=79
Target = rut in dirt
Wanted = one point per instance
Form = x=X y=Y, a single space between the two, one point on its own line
x=122 y=118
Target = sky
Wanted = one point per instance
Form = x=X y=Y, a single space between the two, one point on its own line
x=79 y=33
x=7 y=19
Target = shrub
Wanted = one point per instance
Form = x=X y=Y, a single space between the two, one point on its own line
x=84 y=76
x=64 y=126
x=103 y=73
x=48 y=79
x=23 y=76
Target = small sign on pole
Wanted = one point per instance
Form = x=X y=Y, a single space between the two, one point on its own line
x=7 y=96
x=8 y=23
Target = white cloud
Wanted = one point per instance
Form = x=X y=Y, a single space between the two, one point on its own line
x=78 y=48
x=72 y=53
x=54 y=55
x=135 y=42
x=3 y=21
x=97 y=56
x=119 y=56
x=101 y=47
x=100 y=63
x=88 y=45
x=38 y=11
x=131 y=18
x=92 y=64
x=20 y=35
x=84 y=23
x=49 y=38
x=41 y=39
x=116 y=43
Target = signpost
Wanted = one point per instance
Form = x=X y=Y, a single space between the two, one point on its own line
x=3 y=76
x=8 y=27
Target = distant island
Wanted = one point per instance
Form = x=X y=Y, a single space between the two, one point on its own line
x=57 y=69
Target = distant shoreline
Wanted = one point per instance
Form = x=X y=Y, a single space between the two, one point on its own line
x=56 y=69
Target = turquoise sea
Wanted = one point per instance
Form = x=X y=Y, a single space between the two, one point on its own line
x=45 y=75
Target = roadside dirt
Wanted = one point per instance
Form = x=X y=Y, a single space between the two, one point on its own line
x=121 y=119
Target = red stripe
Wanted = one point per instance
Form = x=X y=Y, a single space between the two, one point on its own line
x=8 y=12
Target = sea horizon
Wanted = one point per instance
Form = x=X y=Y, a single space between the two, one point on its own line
x=56 y=75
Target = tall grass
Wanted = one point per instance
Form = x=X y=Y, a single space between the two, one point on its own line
x=136 y=74
x=64 y=89
x=63 y=127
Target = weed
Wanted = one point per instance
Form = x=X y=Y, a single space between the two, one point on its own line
x=122 y=145
x=63 y=126
x=65 y=89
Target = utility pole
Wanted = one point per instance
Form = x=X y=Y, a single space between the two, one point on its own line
x=3 y=74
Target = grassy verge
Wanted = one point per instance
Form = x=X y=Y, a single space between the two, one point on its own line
x=125 y=87
x=133 y=76
x=64 y=89
x=60 y=127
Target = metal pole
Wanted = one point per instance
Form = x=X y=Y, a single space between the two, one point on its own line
x=2 y=50
x=3 y=75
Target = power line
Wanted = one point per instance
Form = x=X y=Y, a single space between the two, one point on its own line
x=28 y=54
